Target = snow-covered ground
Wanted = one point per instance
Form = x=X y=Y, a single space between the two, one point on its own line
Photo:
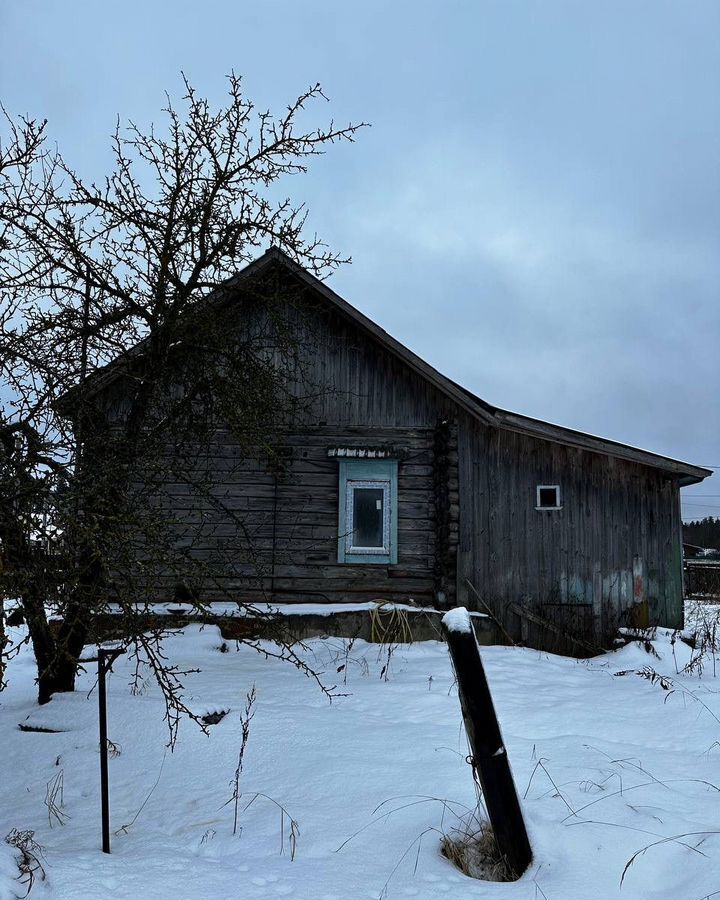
x=607 y=763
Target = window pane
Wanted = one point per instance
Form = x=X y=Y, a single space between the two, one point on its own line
x=367 y=517
x=548 y=496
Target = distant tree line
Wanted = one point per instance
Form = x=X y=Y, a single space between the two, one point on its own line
x=703 y=532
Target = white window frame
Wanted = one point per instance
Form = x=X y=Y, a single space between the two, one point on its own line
x=548 y=487
x=350 y=487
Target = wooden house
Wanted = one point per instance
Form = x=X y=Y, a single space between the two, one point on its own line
x=399 y=484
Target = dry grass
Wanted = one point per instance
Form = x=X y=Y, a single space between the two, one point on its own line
x=29 y=861
x=476 y=854
x=55 y=799
x=390 y=625
x=704 y=620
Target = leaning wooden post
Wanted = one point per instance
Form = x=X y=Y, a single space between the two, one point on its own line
x=489 y=757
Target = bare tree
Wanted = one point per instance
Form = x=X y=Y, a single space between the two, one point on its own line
x=128 y=275
x=30 y=455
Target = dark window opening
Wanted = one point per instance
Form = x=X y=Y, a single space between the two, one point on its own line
x=368 y=517
x=548 y=496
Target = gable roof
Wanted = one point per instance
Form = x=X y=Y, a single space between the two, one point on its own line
x=465 y=399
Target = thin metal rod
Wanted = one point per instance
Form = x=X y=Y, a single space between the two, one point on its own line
x=102 y=711
x=105 y=661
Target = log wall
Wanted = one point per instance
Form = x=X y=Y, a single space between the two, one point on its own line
x=273 y=535
x=262 y=532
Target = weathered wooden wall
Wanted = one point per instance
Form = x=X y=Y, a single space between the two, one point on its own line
x=466 y=502
x=614 y=544
x=274 y=535
x=262 y=533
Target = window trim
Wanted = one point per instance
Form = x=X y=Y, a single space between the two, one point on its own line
x=373 y=473
x=548 y=487
x=384 y=485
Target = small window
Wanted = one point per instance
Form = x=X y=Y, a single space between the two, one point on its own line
x=548 y=496
x=367 y=521
x=367 y=506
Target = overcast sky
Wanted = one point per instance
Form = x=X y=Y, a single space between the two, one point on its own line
x=535 y=210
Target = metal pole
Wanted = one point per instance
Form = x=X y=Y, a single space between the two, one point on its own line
x=489 y=757
x=102 y=710
x=105 y=660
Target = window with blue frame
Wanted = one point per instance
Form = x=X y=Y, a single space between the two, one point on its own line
x=367 y=522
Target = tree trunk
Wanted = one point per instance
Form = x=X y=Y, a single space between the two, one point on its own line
x=19 y=557
x=72 y=638
x=75 y=626
x=43 y=642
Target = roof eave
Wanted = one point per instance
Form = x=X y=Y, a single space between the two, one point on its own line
x=684 y=472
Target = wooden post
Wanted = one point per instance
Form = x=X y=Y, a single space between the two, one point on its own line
x=489 y=757
x=105 y=660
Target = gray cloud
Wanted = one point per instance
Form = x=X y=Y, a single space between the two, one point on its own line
x=536 y=209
